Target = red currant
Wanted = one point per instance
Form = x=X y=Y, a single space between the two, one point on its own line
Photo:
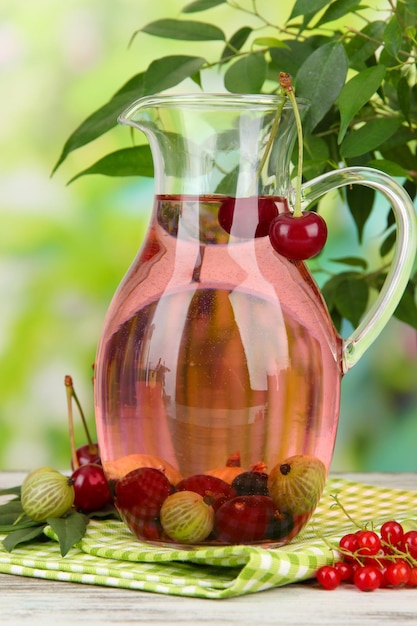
x=345 y=570
x=409 y=543
x=412 y=580
x=397 y=573
x=247 y=217
x=328 y=576
x=391 y=533
x=91 y=489
x=367 y=578
x=298 y=238
x=369 y=543
x=349 y=545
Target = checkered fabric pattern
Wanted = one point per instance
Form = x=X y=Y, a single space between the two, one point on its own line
x=109 y=555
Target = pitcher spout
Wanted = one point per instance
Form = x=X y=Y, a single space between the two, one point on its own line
x=212 y=143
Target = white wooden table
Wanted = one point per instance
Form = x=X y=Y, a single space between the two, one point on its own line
x=36 y=601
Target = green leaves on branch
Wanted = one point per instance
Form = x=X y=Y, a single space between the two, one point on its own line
x=360 y=84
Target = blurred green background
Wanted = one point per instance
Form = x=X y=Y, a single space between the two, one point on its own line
x=64 y=249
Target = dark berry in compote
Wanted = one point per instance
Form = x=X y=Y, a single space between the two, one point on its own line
x=215 y=490
x=243 y=519
x=238 y=217
x=142 y=492
x=251 y=483
x=280 y=525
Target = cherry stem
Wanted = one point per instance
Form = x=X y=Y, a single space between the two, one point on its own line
x=70 y=392
x=91 y=445
x=274 y=129
x=286 y=86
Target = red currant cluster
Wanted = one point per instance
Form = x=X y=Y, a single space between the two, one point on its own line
x=371 y=560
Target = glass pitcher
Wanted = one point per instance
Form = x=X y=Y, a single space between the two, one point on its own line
x=218 y=371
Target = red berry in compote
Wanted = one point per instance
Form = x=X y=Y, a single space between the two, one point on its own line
x=244 y=519
x=238 y=218
x=142 y=492
x=216 y=490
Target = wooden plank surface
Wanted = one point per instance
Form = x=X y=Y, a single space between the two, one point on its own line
x=36 y=601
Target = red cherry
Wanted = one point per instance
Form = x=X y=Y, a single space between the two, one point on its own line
x=243 y=519
x=142 y=492
x=92 y=492
x=87 y=454
x=247 y=217
x=298 y=238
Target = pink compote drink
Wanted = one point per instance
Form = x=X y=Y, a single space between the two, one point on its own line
x=214 y=344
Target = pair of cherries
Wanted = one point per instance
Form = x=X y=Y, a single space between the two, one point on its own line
x=294 y=237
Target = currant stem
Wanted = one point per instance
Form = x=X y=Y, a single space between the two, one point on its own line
x=286 y=86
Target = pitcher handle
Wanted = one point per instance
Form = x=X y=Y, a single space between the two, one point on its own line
x=404 y=253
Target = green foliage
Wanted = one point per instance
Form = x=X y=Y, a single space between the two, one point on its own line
x=361 y=85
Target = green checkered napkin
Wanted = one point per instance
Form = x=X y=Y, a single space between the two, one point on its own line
x=108 y=554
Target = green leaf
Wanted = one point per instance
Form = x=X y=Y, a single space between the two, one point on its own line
x=302 y=7
x=15 y=491
x=351 y=298
x=389 y=167
x=98 y=123
x=246 y=75
x=356 y=93
x=406 y=310
x=320 y=80
x=360 y=201
x=136 y=161
x=290 y=58
x=363 y=45
x=404 y=97
x=201 y=5
x=169 y=71
x=24 y=535
x=353 y=261
x=393 y=36
x=369 y=137
x=388 y=243
x=338 y=9
x=236 y=42
x=69 y=530
x=185 y=30
x=269 y=42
